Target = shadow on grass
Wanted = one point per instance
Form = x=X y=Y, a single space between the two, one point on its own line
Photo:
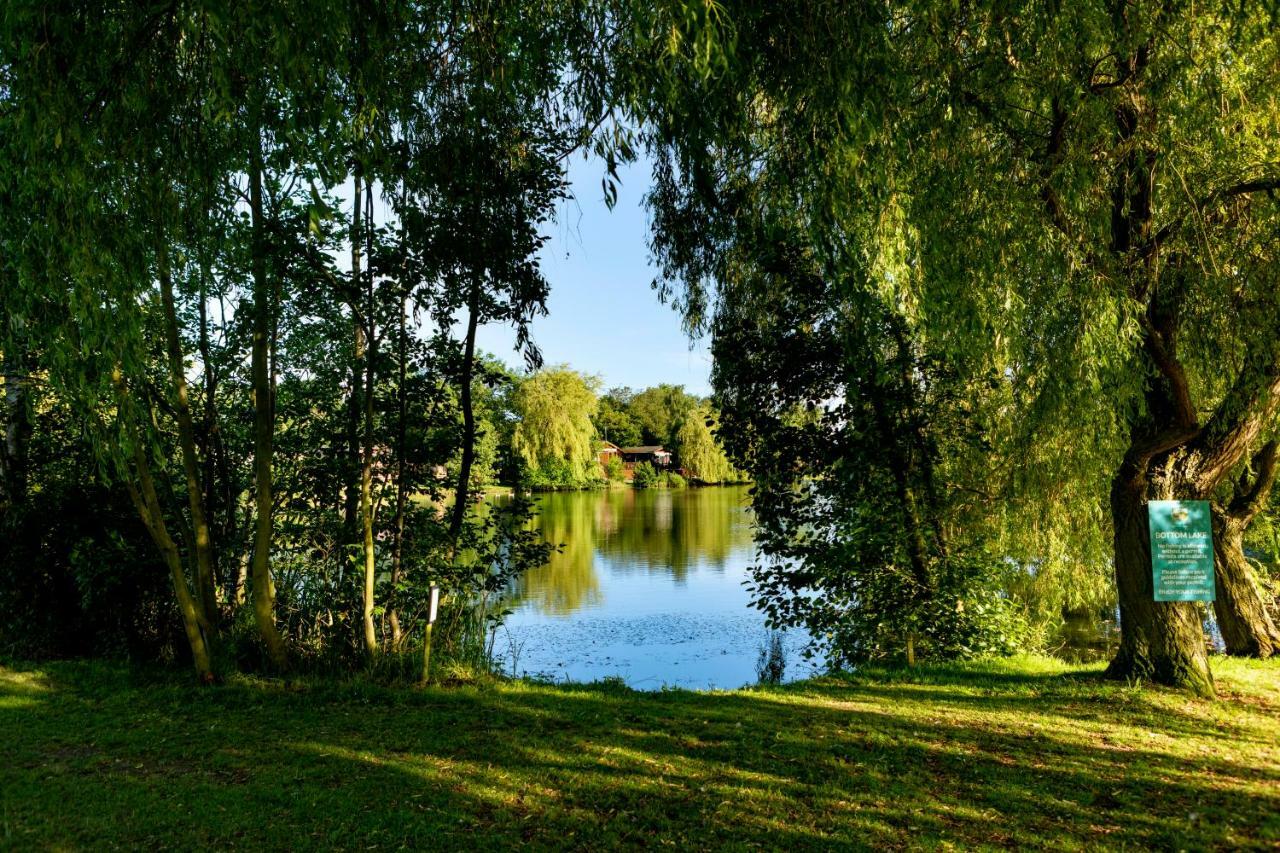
x=1046 y=761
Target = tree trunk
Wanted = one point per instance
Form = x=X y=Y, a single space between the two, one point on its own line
x=219 y=490
x=462 y=494
x=1160 y=641
x=366 y=467
x=16 y=425
x=397 y=551
x=238 y=592
x=205 y=584
x=351 y=493
x=209 y=426
x=264 y=593
x=142 y=491
x=1246 y=626
x=147 y=503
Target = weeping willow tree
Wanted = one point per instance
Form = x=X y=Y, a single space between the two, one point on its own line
x=555 y=436
x=700 y=451
x=1137 y=254
x=1068 y=216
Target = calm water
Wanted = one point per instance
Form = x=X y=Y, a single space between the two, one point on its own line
x=649 y=588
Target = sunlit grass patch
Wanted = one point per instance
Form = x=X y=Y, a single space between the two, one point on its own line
x=1025 y=752
x=18 y=689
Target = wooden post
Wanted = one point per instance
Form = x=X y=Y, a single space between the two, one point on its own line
x=432 y=609
x=426 y=655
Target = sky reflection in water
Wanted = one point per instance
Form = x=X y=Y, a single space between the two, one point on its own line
x=648 y=588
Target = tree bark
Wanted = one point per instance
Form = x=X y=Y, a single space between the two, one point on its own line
x=205 y=583
x=1247 y=628
x=219 y=491
x=366 y=467
x=264 y=593
x=397 y=551
x=461 y=496
x=146 y=501
x=351 y=493
x=142 y=491
x=16 y=428
x=1161 y=641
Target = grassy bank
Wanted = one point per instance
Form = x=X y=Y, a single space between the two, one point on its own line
x=1027 y=752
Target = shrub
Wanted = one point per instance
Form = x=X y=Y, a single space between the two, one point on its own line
x=645 y=476
x=556 y=475
x=614 y=470
x=966 y=615
x=771 y=665
x=673 y=480
x=83 y=582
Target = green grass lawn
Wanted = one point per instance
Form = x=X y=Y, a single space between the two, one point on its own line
x=1027 y=752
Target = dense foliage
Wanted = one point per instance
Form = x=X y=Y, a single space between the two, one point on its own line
x=555 y=437
x=247 y=247
x=983 y=279
x=700 y=451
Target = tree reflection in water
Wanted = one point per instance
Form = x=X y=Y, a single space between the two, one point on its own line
x=658 y=532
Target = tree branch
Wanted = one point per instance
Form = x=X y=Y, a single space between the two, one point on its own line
x=1269 y=183
x=1248 y=407
x=1246 y=504
x=1157 y=341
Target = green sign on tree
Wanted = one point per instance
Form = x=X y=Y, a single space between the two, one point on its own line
x=1181 y=550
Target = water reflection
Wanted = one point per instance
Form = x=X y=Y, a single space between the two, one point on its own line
x=648 y=587
x=1087 y=636
x=568 y=581
x=662 y=532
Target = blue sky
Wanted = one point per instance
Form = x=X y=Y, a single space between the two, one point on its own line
x=604 y=318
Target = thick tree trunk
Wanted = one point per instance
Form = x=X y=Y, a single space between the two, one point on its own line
x=1246 y=626
x=1160 y=641
x=205 y=584
x=264 y=594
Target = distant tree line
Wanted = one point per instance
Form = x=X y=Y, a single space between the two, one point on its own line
x=561 y=425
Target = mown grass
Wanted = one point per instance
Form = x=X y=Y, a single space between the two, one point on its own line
x=1021 y=753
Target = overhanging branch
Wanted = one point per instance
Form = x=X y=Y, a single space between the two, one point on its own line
x=1237 y=425
x=1268 y=183
x=1245 y=505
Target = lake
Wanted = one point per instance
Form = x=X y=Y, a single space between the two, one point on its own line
x=648 y=588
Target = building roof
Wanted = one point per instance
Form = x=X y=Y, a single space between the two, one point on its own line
x=608 y=445
x=651 y=448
